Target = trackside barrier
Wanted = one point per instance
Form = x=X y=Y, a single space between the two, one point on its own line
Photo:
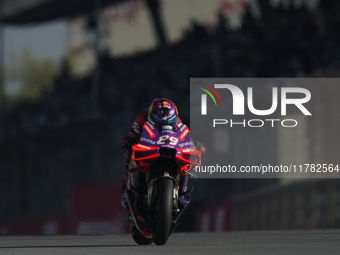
x=214 y=219
x=95 y=209
x=308 y=204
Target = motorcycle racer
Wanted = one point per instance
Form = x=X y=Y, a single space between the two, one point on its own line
x=161 y=112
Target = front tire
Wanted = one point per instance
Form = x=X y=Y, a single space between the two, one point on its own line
x=139 y=238
x=164 y=213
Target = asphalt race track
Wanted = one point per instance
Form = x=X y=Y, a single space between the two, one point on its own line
x=265 y=242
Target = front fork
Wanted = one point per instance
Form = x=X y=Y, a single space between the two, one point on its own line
x=152 y=189
x=181 y=194
x=181 y=198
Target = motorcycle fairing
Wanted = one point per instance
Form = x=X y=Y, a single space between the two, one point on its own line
x=154 y=140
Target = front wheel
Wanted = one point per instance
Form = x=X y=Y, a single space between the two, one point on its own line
x=164 y=213
x=139 y=237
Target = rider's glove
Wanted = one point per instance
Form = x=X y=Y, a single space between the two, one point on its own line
x=129 y=140
x=200 y=147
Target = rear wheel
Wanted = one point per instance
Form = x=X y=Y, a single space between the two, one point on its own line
x=164 y=213
x=139 y=237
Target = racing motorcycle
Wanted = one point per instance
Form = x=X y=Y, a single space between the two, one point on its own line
x=157 y=187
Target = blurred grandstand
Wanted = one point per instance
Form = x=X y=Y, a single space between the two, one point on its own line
x=70 y=136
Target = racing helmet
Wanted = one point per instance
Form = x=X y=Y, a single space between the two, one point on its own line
x=163 y=111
